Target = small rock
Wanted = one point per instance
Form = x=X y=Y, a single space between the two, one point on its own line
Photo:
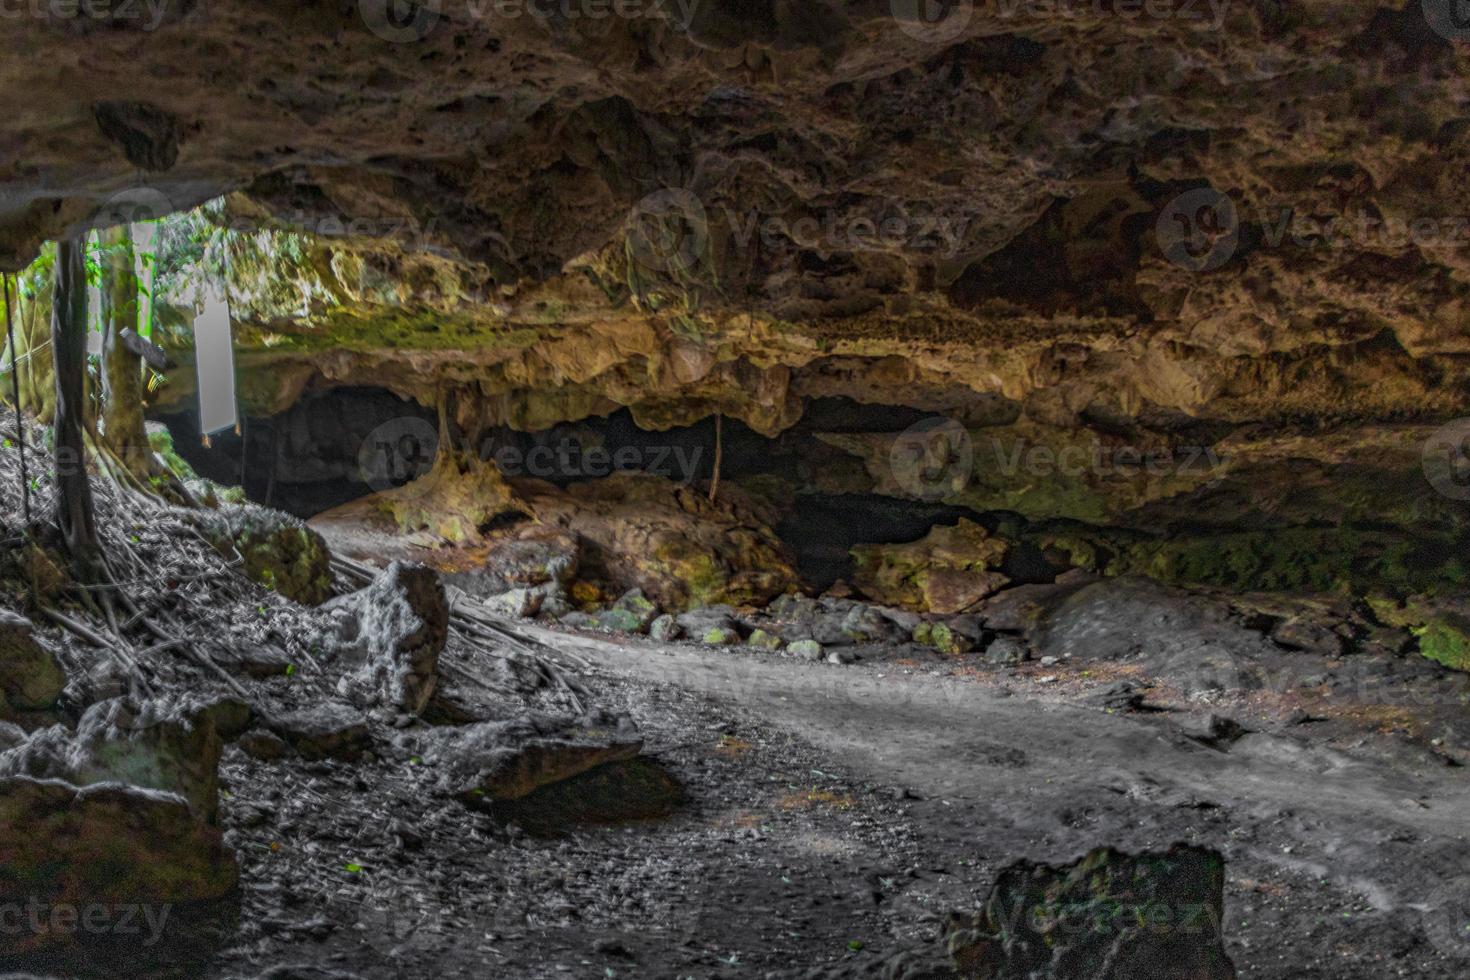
x=665 y=629
x=765 y=641
x=1005 y=650
x=1301 y=633
x=1049 y=661
x=261 y=744
x=720 y=637
x=520 y=603
x=940 y=637
x=330 y=730
x=841 y=657
x=806 y=650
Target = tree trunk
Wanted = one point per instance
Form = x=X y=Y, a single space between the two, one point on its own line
x=122 y=370
x=69 y=350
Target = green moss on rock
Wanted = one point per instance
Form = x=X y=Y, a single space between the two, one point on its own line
x=277 y=550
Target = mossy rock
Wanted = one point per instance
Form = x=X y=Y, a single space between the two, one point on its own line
x=161 y=440
x=764 y=640
x=940 y=637
x=720 y=637
x=277 y=550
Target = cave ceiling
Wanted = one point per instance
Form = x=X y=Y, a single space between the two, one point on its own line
x=1253 y=212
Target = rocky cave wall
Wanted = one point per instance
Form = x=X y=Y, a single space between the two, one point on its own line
x=1184 y=294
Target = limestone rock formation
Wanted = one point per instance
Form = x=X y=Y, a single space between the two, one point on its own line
x=169 y=746
x=392 y=631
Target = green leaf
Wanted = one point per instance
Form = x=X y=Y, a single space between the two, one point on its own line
x=354 y=868
x=854 y=944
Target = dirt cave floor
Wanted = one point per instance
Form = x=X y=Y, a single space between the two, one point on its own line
x=833 y=816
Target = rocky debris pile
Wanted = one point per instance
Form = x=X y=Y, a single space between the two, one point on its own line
x=274 y=549
x=31 y=679
x=1109 y=916
x=394 y=630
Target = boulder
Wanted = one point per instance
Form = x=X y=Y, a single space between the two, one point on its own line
x=276 y=550
x=508 y=760
x=170 y=746
x=330 y=730
x=863 y=623
x=1109 y=916
x=947 y=571
x=538 y=556
x=1191 y=641
x=633 y=612
x=31 y=679
x=394 y=629
x=698 y=622
x=101 y=847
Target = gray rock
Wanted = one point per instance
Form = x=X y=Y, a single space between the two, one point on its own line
x=395 y=629
x=1005 y=650
x=330 y=730
x=866 y=624
x=264 y=745
x=806 y=650
x=508 y=760
x=697 y=622
x=665 y=629
x=519 y=603
x=841 y=657
x=578 y=620
x=162 y=745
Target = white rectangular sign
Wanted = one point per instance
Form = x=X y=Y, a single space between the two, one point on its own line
x=214 y=359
